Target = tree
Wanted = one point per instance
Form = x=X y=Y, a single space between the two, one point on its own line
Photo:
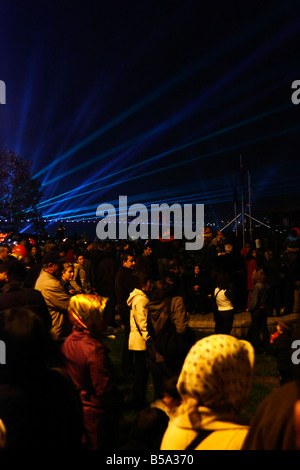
x=20 y=192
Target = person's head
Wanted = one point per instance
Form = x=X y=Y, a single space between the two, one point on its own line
x=53 y=263
x=80 y=259
x=28 y=345
x=87 y=312
x=223 y=281
x=16 y=271
x=259 y=276
x=149 y=427
x=171 y=397
x=268 y=255
x=284 y=327
x=4 y=252
x=251 y=254
x=67 y=272
x=145 y=281
x=162 y=289
x=128 y=259
x=147 y=250
x=217 y=373
x=173 y=266
x=33 y=250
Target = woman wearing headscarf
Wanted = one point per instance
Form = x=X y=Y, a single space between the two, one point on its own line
x=214 y=384
x=87 y=362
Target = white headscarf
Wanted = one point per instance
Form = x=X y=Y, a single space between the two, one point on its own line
x=217 y=372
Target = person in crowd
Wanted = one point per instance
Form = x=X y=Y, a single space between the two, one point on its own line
x=177 y=272
x=197 y=290
x=271 y=267
x=66 y=280
x=224 y=298
x=125 y=282
x=170 y=399
x=138 y=301
x=145 y=262
x=215 y=249
x=80 y=274
x=15 y=293
x=5 y=254
x=259 y=311
x=281 y=348
x=57 y=300
x=87 y=362
x=214 y=385
x=291 y=271
x=276 y=422
x=251 y=266
x=39 y=405
x=147 y=430
x=165 y=304
x=105 y=278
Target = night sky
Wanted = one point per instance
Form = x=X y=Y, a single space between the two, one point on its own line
x=156 y=100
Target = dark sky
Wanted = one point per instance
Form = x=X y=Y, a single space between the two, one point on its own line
x=156 y=100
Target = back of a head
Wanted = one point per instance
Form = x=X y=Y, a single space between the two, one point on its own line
x=259 y=276
x=223 y=281
x=161 y=290
x=149 y=427
x=28 y=345
x=86 y=312
x=16 y=271
x=217 y=372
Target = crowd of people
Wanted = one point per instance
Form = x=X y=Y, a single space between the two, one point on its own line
x=58 y=300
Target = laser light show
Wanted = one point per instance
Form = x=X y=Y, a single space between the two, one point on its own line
x=160 y=101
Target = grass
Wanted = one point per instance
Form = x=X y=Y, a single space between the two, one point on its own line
x=265 y=379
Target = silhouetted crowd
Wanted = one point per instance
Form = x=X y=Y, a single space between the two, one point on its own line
x=60 y=298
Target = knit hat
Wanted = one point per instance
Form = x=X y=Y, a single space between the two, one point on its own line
x=217 y=372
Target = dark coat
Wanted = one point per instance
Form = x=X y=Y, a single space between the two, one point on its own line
x=87 y=363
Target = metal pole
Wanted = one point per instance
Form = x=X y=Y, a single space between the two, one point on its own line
x=249 y=196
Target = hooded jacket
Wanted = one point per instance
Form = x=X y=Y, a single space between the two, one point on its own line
x=138 y=302
x=158 y=312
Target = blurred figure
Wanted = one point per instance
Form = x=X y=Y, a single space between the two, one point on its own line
x=170 y=398
x=39 y=405
x=281 y=348
x=147 y=430
x=259 y=306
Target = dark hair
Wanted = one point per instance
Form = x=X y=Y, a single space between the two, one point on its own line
x=149 y=427
x=162 y=290
x=170 y=387
x=28 y=345
x=16 y=271
x=223 y=281
x=125 y=255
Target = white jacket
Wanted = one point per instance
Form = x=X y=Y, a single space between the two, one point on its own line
x=138 y=302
